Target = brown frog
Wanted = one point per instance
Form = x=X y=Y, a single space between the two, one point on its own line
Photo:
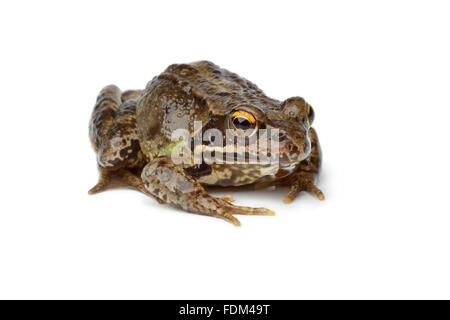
x=191 y=127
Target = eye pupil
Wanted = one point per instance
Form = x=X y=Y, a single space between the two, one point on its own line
x=241 y=123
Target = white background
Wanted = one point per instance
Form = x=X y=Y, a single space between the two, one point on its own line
x=378 y=76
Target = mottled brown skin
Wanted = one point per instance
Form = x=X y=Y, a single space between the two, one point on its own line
x=131 y=133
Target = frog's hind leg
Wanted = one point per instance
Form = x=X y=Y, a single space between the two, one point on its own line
x=105 y=110
x=114 y=137
x=103 y=115
x=172 y=184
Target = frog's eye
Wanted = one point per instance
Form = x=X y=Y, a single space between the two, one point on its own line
x=309 y=114
x=243 y=120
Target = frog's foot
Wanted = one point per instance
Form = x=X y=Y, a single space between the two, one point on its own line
x=217 y=207
x=172 y=184
x=301 y=181
x=297 y=182
x=296 y=188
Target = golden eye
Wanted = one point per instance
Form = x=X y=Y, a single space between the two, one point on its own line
x=309 y=114
x=243 y=120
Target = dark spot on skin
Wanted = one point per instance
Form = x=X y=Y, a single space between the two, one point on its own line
x=202 y=103
x=135 y=147
x=234 y=175
x=199 y=170
x=162 y=162
x=115 y=161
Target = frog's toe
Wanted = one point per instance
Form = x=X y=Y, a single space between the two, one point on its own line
x=224 y=207
x=319 y=194
x=228 y=198
x=221 y=208
x=230 y=218
x=299 y=187
x=249 y=211
x=97 y=188
x=102 y=183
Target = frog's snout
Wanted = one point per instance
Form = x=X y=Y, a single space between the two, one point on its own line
x=292 y=151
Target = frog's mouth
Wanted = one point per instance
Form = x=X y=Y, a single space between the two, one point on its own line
x=283 y=153
x=286 y=155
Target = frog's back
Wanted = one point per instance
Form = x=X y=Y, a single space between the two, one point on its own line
x=219 y=88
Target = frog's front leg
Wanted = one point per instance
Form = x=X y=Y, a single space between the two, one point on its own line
x=172 y=184
x=304 y=175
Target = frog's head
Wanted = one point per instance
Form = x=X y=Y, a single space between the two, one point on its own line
x=292 y=120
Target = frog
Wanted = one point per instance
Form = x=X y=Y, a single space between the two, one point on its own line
x=132 y=133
